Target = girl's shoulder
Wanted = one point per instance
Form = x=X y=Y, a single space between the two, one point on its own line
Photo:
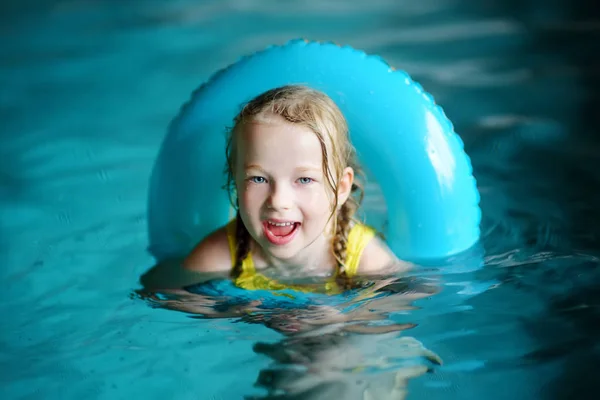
x=377 y=258
x=212 y=254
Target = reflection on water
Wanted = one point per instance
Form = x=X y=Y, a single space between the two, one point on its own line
x=345 y=346
x=88 y=88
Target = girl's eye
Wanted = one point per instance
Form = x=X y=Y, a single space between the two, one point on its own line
x=305 y=180
x=257 y=179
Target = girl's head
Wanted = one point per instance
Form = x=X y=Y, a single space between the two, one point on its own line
x=290 y=162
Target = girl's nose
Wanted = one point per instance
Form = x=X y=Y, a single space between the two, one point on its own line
x=281 y=197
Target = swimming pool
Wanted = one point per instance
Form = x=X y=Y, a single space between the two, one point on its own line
x=88 y=89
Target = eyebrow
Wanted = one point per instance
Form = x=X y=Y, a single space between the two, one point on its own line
x=253 y=166
x=310 y=169
x=299 y=169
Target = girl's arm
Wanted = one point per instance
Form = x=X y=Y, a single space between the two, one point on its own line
x=378 y=259
x=210 y=259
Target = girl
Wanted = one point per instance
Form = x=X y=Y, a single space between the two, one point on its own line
x=293 y=174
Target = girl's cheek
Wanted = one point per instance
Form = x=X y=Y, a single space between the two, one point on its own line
x=244 y=195
x=253 y=193
x=315 y=196
x=307 y=196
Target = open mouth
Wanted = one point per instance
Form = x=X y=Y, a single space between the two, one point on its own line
x=280 y=232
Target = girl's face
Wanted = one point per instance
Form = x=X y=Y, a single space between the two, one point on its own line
x=285 y=201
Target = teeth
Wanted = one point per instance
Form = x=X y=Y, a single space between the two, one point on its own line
x=280 y=223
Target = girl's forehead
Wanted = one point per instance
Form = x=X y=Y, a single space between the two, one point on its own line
x=274 y=133
x=274 y=149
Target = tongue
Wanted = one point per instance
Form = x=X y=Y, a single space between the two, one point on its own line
x=281 y=230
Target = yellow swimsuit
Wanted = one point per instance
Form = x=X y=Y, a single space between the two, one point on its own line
x=250 y=279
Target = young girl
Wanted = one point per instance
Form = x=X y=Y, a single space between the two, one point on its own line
x=293 y=176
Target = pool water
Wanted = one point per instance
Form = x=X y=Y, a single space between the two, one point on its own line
x=88 y=89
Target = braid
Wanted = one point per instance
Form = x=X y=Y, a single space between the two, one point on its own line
x=242 y=238
x=343 y=225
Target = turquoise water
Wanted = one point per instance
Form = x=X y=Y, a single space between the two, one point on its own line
x=88 y=89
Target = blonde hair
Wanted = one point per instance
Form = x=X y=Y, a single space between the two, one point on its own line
x=313 y=109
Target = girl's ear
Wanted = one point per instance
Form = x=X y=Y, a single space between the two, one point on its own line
x=345 y=185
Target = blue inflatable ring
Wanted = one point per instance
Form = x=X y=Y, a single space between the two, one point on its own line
x=402 y=137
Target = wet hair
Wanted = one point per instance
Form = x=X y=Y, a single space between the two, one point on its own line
x=298 y=104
